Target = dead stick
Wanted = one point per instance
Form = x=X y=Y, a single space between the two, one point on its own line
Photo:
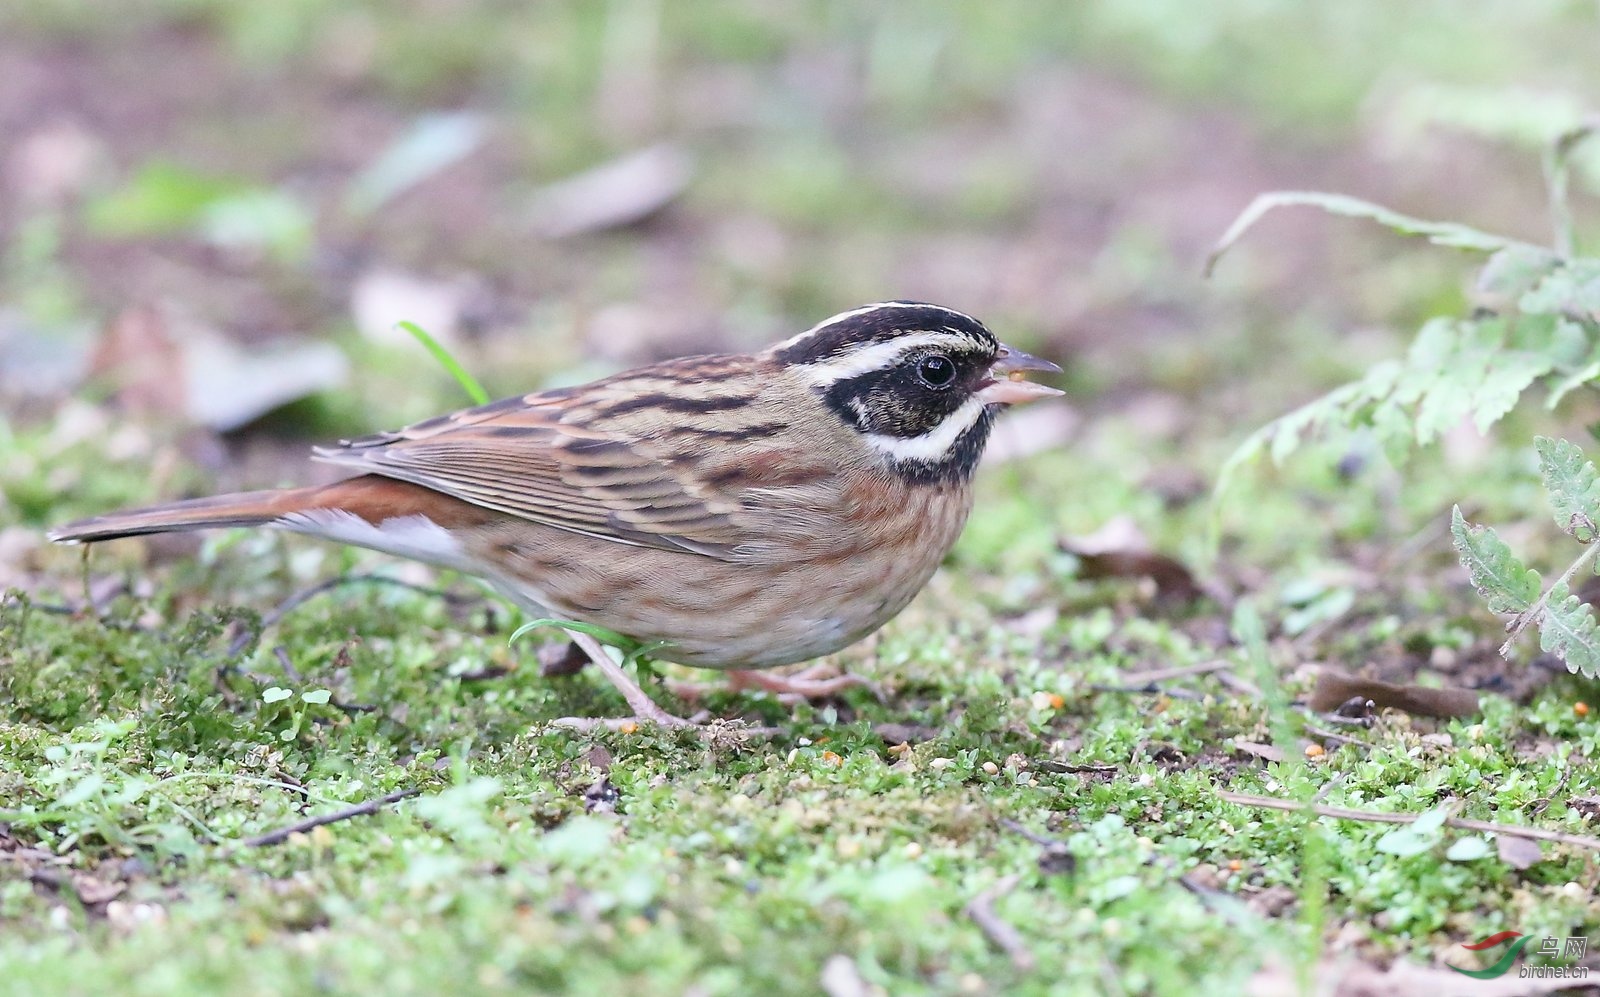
x=300 y=827
x=1376 y=816
x=996 y=928
x=1168 y=674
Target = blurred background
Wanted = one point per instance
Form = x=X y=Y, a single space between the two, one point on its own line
x=213 y=213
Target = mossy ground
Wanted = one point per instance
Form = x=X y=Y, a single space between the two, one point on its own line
x=139 y=749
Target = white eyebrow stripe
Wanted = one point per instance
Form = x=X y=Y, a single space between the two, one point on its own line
x=879 y=356
x=933 y=445
x=794 y=341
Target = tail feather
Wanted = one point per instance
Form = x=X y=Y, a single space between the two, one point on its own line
x=215 y=512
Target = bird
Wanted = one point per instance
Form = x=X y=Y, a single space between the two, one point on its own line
x=735 y=512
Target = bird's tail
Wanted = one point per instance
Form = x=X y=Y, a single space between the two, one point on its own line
x=215 y=512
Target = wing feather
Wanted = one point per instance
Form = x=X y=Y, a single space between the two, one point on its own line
x=590 y=460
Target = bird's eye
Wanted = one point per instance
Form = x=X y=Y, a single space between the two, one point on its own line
x=936 y=371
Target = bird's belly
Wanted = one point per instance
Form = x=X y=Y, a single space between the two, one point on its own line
x=731 y=616
x=719 y=614
x=714 y=613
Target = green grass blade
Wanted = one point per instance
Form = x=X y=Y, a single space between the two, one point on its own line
x=468 y=383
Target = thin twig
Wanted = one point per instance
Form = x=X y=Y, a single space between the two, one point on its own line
x=1328 y=735
x=1150 y=689
x=1237 y=684
x=52 y=608
x=300 y=827
x=1543 y=803
x=1375 y=816
x=996 y=928
x=1328 y=787
x=289 y=670
x=1055 y=856
x=1168 y=674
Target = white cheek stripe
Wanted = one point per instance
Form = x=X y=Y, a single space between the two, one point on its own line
x=854 y=313
x=880 y=356
x=936 y=442
x=415 y=537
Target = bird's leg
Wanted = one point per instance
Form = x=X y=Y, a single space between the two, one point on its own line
x=644 y=708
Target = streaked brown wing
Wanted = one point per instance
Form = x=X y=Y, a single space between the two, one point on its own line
x=589 y=460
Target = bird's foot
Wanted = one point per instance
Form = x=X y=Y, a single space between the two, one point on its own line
x=644 y=708
x=817 y=682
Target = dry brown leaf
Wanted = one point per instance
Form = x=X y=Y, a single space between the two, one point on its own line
x=620 y=192
x=1334 y=689
x=194 y=375
x=140 y=360
x=381 y=299
x=1518 y=853
x=1266 y=752
x=92 y=891
x=1119 y=550
x=1272 y=901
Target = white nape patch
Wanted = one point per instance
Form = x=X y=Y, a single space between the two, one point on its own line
x=793 y=341
x=416 y=537
x=936 y=442
x=881 y=356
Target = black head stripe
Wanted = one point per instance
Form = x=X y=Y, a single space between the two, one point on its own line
x=882 y=323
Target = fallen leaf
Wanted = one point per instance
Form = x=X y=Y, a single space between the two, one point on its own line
x=1334 y=689
x=139 y=358
x=1266 y=752
x=194 y=375
x=1518 y=853
x=623 y=191
x=1468 y=849
x=432 y=143
x=381 y=299
x=92 y=891
x=1272 y=901
x=227 y=386
x=1119 y=550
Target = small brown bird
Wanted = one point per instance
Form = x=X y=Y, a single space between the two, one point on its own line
x=741 y=511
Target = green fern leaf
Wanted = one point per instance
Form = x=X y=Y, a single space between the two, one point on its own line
x=1505 y=583
x=1567 y=628
x=1438 y=233
x=1506 y=376
x=1573 y=484
x=1572 y=290
x=1514 y=271
x=1563 y=385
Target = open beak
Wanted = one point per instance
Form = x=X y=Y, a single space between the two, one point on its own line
x=1008 y=387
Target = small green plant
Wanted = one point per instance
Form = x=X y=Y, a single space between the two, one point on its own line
x=1566 y=624
x=1537 y=323
x=447 y=360
x=294 y=710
